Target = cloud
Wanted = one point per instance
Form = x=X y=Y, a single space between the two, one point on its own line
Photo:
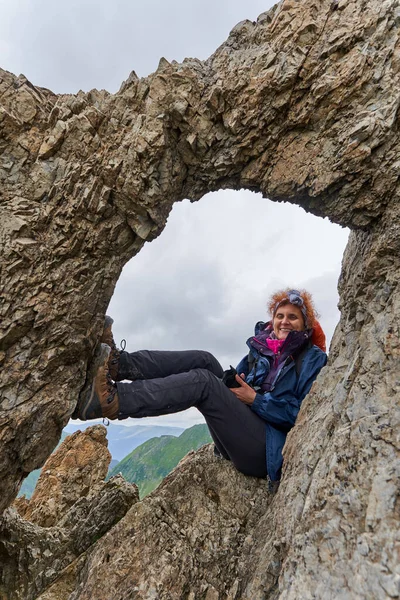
x=82 y=44
x=205 y=281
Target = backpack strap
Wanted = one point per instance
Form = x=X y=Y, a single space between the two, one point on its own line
x=252 y=360
x=298 y=359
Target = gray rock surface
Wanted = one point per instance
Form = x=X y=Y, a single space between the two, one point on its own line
x=188 y=539
x=78 y=467
x=302 y=106
x=72 y=507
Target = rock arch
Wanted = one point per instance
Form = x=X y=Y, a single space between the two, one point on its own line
x=302 y=106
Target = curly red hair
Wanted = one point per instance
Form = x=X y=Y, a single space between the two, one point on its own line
x=280 y=298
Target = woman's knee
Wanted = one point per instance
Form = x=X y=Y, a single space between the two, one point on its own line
x=212 y=364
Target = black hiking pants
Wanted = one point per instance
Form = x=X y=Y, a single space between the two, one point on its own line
x=169 y=382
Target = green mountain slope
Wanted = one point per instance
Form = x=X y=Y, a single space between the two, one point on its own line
x=149 y=463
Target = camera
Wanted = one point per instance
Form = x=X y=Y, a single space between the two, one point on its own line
x=228 y=378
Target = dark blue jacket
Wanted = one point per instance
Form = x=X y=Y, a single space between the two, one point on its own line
x=279 y=407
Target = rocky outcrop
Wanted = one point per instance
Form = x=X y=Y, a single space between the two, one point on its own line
x=192 y=536
x=76 y=469
x=187 y=540
x=301 y=106
x=44 y=536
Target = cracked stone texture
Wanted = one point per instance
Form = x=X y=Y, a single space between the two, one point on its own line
x=186 y=540
x=38 y=540
x=301 y=106
x=79 y=465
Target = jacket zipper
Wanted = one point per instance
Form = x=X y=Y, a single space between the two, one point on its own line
x=285 y=364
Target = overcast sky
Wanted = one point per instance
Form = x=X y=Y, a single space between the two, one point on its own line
x=205 y=281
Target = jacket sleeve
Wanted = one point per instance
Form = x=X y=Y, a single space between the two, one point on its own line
x=282 y=410
x=243 y=366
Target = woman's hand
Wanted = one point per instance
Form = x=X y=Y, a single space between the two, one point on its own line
x=244 y=393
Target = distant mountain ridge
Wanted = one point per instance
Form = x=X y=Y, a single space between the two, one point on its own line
x=148 y=464
x=123 y=439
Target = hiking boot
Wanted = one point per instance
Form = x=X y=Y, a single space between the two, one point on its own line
x=99 y=397
x=107 y=338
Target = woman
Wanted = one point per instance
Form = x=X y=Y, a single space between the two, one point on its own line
x=248 y=423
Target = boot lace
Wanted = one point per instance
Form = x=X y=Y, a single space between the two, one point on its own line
x=116 y=353
x=110 y=388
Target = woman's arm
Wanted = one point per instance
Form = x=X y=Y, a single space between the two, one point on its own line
x=245 y=393
x=281 y=412
x=243 y=366
x=282 y=409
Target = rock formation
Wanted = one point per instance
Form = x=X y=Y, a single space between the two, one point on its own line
x=191 y=536
x=72 y=508
x=302 y=106
x=74 y=470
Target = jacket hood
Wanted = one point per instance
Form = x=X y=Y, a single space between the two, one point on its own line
x=263 y=330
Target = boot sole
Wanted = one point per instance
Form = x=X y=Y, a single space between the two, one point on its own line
x=86 y=395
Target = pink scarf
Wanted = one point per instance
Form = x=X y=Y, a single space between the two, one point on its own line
x=275 y=345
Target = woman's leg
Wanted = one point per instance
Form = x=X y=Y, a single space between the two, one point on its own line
x=219 y=449
x=153 y=364
x=239 y=431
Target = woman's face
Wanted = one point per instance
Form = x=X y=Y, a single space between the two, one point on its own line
x=287 y=318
